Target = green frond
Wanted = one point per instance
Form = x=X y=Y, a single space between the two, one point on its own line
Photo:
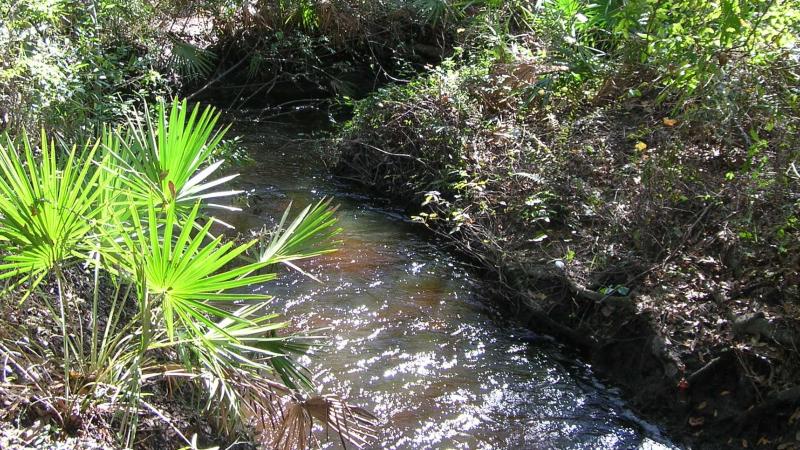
x=191 y=61
x=168 y=160
x=47 y=209
x=310 y=234
x=188 y=274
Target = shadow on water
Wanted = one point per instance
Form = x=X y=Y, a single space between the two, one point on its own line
x=411 y=338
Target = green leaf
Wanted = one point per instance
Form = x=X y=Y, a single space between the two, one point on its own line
x=47 y=210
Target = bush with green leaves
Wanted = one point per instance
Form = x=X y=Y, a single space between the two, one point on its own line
x=688 y=51
x=67 y=64
x=170 y=300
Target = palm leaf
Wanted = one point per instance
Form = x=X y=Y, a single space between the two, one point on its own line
x=162 y=161
x=308 y=235
x=189 y=60
x=187 y=274
x=47 y=212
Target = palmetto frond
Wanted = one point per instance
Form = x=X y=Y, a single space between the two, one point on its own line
x=169 y=162
x=190 y=60
x=47 y=210
x=188 y=275
x=308 y=235
x=353 y=424
x=434 y=11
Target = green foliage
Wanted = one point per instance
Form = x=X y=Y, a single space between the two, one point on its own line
x=67 y=65
x=129 y=207
x=435 y=11
x=692 y=49
x=191 y=61
x=165 y=155
x=46 y=210
x=307 y=236
x=185 y=273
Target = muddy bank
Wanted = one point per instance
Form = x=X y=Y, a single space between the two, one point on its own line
x=616 y=229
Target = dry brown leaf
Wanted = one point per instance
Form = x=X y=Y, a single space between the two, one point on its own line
x=696 y=421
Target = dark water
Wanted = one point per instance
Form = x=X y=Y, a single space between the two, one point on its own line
x=411 y=337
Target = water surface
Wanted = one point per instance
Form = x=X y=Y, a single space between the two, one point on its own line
x=411 y=337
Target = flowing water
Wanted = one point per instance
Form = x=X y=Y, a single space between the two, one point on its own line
x=411 y=337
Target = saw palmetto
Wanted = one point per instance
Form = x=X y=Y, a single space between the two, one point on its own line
x=47 y=209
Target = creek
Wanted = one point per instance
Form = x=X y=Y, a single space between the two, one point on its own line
x=412 y=337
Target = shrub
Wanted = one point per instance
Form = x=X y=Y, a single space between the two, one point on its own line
x=129 y=208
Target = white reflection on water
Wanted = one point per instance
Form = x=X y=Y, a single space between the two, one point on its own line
x=411 y=339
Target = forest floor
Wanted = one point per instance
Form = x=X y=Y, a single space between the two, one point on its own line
x=663 y=249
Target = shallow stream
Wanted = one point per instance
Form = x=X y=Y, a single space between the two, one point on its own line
x=412 y=338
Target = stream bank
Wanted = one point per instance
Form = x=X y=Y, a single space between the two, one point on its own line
x=612 y=227
x=412 y=336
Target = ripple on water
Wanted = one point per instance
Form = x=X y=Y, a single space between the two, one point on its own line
x=411 y=340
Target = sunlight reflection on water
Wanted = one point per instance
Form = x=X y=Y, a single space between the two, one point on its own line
x=412 y=340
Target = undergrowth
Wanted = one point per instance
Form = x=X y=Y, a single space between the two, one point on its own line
x=615 y=151
x=117 y=292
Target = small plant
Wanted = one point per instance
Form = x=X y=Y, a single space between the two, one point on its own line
x=164 y=155
x=169 y=299
x=46 y=211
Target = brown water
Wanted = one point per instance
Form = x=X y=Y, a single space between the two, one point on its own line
x=411 y=337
